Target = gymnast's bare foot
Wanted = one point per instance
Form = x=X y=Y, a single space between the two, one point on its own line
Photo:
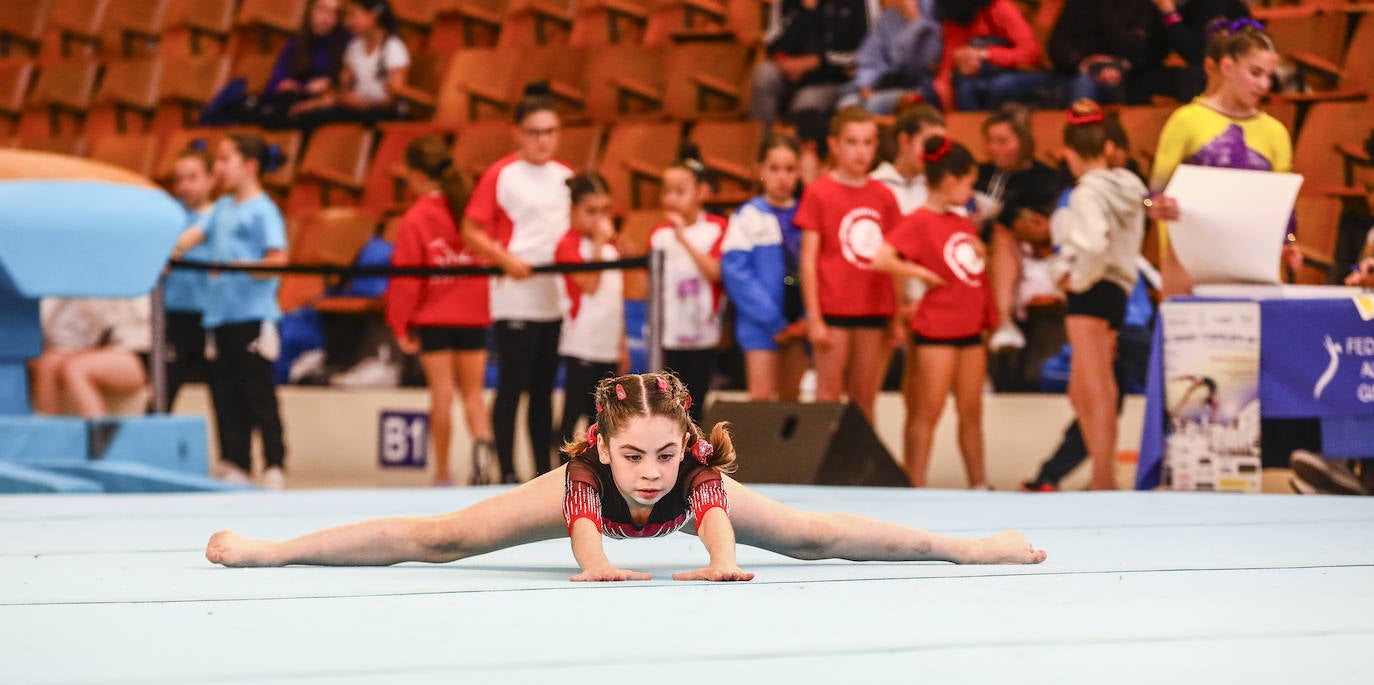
x=231 y=549
x=1009 y=547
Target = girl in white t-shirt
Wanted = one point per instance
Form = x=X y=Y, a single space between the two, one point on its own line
x=691 y=241
x=593 y=345
x=515 y=218
x=374 y=67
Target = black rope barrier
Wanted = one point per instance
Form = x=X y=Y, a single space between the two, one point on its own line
x=411 y=271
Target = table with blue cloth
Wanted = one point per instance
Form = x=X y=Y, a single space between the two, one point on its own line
x=1316 y=362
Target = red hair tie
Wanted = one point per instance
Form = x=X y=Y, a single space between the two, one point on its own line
x=591 y=436
x=1094 y=117
x=662 y=384
x=620 y=392
x=687 y=403
x=702 y=450
x=939 y=153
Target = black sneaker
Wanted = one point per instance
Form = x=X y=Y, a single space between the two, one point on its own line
x=1330 y=477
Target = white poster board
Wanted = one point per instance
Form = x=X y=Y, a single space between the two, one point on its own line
x=1231 y=222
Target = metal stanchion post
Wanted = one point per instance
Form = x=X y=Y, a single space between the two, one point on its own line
x=654 y=339
x=158 y=355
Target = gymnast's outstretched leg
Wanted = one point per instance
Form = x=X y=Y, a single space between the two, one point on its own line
x=768 y=524
x=528 y=513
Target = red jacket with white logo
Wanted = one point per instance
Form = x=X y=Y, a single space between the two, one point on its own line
x=429 y=237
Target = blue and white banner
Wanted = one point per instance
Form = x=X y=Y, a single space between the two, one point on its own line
x=1318 y=358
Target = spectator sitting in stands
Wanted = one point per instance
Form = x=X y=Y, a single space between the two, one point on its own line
x=1016 y=194
x=91 y=347
x=812 y=52
x=1362 y=274
x=307 y=67
x=1184 y=33
x=897 y=58
x=375 y=64
x=1098 y=45
x=989 y=57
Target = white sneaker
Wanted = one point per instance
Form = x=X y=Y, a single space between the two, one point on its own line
x=1007 y=336
x=274 y=479
x=233 y=474
x=369 y=373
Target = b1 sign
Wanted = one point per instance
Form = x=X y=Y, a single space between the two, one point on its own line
x=403 y=439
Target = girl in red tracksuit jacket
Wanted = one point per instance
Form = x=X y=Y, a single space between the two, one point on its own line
x=443 y=318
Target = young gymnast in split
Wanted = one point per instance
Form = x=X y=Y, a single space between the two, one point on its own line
x=644 y=469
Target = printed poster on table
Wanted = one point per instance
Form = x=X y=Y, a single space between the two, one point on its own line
x=1211 y=395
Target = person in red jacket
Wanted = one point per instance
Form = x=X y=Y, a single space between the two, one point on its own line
x=443 y=318
x=939 y=245
x=990 y=56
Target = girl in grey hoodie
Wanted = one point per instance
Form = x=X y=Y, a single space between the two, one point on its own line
x=1097 y=239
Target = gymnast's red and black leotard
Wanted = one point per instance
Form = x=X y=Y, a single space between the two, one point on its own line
x=590 y=493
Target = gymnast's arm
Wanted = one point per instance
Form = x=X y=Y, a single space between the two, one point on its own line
x=582 y=511
x=718 y=536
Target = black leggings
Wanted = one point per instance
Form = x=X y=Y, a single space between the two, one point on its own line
x=526 y=362
x=244 y=396
x=185 y=352
x=694 y=368
x=579 y=382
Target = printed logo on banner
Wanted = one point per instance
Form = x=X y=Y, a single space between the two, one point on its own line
x=1334 y=350
x=403 y=439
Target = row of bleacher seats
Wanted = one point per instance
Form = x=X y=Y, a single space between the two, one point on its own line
x=622 y=101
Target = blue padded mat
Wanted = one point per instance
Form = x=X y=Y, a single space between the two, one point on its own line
x=1139 y=587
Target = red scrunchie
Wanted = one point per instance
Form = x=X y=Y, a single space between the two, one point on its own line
x=702 y=450
x=1094 y=117
x=939 y=153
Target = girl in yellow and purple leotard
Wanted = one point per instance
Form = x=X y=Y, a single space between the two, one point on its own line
x=1223 y=127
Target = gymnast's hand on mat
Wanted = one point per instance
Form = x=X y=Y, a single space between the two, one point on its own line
x=608 y=572
x=715 y=572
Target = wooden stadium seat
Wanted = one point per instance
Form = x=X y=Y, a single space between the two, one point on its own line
x=190 y=22
x=337 y=158
x=729 y=150
x=136 y=152
x=633 y=162
x=1317 y=152
x=267 y=23
x=486 y=83
x=1353 y=75
x=22 y=25
x=966 y=128
x=1047 y=127
x=255 y=68
x=1319 y=219
x=15 y=77
x=64 y=144
x=79 y=22
x=707 y=79
x=670 y=21
x=463 y=24
x=135 y=27
x=130 y=86
x=633 y=241
x=607 y=22
x=189 y=82
x=384 y=189
x=329 y=236
x=64 y=88
x=414 y=20
x=579 y=146
x=625 y=81
x=479 y=144
x=537 y=22
x=424 y=77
